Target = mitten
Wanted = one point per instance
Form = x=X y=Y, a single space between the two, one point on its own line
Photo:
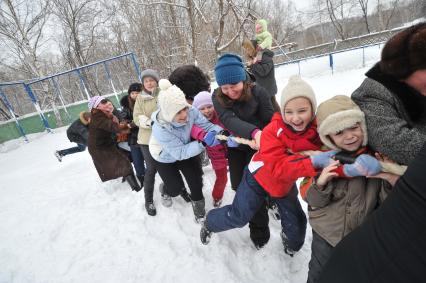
x=230 y=142
x=210 y=139
x=323 y=159
x=364 y=165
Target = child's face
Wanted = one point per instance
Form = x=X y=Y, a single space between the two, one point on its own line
x=207 y=111
x=350 y=139
x=233 y=91
x=134 y=95
x=258 y=28
x=298 y=113
x=106 y=106
x=182 y=116
x=149 y=84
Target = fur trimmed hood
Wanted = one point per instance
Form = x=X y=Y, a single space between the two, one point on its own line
x=337 y=114
x=84 y=117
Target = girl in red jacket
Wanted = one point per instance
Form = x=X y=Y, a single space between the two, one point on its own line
x=274 y=169
x=217 y=153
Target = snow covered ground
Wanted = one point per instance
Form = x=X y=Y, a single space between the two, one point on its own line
x=59 y=223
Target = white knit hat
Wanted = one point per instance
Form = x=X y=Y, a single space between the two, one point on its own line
x=296 y=87
x=336 y=114
x=171 y=100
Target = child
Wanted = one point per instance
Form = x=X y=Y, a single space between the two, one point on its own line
x=217 y=154
x=336 y=205
x=171 y=147
x=78 y=132
x=275 y=168
x=263 y=37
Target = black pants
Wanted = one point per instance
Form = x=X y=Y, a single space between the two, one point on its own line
x=238 y=160
x=150 y=170
x=191 y=170
x=320 y=253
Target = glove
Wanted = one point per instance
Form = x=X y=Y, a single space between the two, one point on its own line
x=230 y=142
x=323 y=159
x=364 y=165
x=210 y=139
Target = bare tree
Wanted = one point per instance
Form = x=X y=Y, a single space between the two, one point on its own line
x=364 y=8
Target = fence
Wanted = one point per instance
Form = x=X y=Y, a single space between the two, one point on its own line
x=45 y=103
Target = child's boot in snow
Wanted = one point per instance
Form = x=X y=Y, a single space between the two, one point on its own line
x=199 y=210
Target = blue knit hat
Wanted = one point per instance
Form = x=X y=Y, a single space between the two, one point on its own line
x=229 y=69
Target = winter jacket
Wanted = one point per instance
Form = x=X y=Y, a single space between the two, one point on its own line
x=264 y=72
x=217 y=153
x=170 y=143
x=145 y=105
x=395 y=115
x=244 y=116
x=343 y=205
x=109 y=161
x=78 y=131
x=264 y=39
x=128 y=115
x=390 y=245
x=277 y=166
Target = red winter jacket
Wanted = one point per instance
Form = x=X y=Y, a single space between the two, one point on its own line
x=217 y=153
x=276 y=166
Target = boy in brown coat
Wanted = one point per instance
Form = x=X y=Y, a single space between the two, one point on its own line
x=341 y=197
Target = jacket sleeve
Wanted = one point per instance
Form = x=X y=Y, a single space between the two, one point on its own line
x=139 y=116
x=279 y=162
x=262 y=68
x=266 y=40
x=319 y=198
x=388 y=133
x=232 y=122
x=175 y=147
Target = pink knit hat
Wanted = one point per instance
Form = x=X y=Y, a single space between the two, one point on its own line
x=94 y=102
x=203 y=98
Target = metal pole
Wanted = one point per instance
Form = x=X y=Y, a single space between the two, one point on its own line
x=59 y=94
x=363 y=57
x=12 y=113
x=82 y=84
x=37 y=107
x=330 y=56
x=111 y=82
x=135 y=63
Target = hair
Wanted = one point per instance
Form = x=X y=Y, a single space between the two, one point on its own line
x=135 y=87
x=190 y=79
x=226 y=102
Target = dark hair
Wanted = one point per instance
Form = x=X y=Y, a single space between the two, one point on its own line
x=227 y=102
x=135 y=87
x=190 y=79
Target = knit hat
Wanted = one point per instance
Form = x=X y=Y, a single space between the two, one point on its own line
x=337 y=114
x=134 y=87
x=201 y=99
x=229 y=69
x=190 y=79
x=150 y=73
x=94 y=102
x=405 y=52
x=296 y=87
x=171 y=100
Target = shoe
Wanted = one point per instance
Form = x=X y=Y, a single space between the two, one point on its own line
x=150 y=208
x=198 y=207
x=131 y=180
x=274 y=211
x=205 y=234
x=217 y=202
x=58 y=156
x=166 y=200
x=185 y=195
x=287 y=250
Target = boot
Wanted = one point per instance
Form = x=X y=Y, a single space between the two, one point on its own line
x=217 y=202
x=150 y=208
x=166 y=200
x=205 y=234
x=141 y=180
x=131 y=180
x=58 y=155
x=199 y=210
x=287 y=250
x=274 y=211
x=185 y=195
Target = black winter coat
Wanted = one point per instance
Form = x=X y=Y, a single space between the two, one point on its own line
x=78 y=131
x=391 y=245
x=264 y=72
x=127 y=114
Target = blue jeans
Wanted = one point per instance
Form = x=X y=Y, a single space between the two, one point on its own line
x=138 y=160
x=79 y=148
x=248 y=199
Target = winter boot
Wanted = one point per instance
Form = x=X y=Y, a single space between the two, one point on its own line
x=150 y=208
x=131 y=180
x=141 y=180
x=287 y=250
x=166 y=200
x=199 y=210
x=274 y=211
x=217 y=202
x=205 y=234
x=58 y=155
x=185 y=195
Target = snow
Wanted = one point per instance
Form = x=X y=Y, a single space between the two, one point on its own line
x=60 y=223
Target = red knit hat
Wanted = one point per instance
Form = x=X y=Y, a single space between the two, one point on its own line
x=405 y=52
